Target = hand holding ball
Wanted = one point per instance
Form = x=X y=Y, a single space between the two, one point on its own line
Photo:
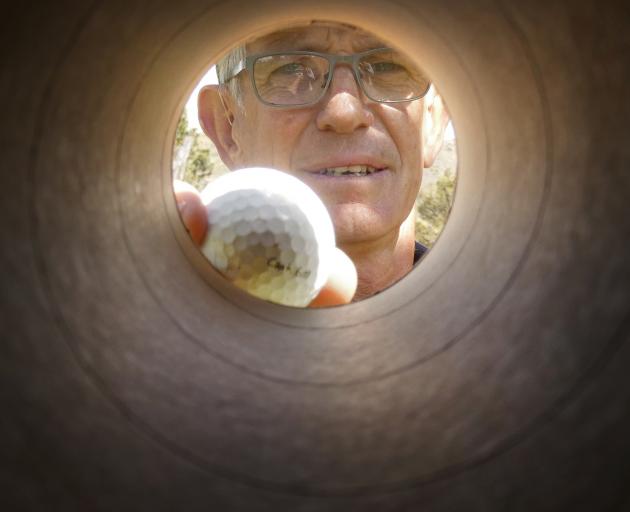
x=270 y=235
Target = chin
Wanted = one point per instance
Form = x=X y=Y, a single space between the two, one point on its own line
x=356 y=223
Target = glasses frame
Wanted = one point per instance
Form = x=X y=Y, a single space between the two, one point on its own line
x=247 y=64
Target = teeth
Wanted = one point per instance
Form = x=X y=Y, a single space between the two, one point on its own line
x=349 y=170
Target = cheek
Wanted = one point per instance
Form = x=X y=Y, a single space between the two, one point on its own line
x=413 y=136
x=283 y=128
x=410 y=147
x=404 y=124
x=272 y=139
x=416 y=181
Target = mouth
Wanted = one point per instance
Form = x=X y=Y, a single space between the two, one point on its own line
x=349 y=171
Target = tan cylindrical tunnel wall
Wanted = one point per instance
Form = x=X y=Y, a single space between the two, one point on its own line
x=494 y=377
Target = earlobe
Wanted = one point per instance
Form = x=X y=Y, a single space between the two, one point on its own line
x=438 y=119
x=216 y=121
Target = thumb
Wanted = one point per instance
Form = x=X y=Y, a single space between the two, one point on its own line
x=341 y=285
x=342 y=281
x=191 y=210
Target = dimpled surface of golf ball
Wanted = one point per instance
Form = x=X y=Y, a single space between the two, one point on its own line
x=269 y=234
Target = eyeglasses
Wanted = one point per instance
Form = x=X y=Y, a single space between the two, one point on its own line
x=301 y=78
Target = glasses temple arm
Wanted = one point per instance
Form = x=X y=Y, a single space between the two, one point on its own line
x=240 y=66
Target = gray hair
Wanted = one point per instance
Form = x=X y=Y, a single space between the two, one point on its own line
x=225 y=67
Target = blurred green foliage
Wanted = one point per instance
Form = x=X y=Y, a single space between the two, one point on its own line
x=195 y=159
x=182 y=130
x=433 y=207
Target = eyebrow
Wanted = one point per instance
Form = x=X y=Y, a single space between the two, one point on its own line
x=368 y=42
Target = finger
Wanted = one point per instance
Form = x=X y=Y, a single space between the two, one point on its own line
x=341 y=284
x=191 y=210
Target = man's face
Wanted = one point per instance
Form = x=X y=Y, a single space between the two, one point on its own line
x=344 y=129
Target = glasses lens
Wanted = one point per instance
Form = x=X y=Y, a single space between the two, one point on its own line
x=387 y=75
x=290 y=79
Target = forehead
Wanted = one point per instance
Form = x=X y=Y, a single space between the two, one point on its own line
x=317 y=36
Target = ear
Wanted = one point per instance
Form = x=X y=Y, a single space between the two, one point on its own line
x=437 y=119
x=216 y=118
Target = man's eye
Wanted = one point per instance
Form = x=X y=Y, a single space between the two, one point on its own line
x=293 y=68
x=385 y=67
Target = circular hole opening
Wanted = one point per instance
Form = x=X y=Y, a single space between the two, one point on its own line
x=345 y=115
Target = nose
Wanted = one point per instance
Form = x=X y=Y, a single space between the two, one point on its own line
x=343 y=109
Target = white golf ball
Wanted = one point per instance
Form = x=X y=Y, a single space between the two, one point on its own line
x=269 y=234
